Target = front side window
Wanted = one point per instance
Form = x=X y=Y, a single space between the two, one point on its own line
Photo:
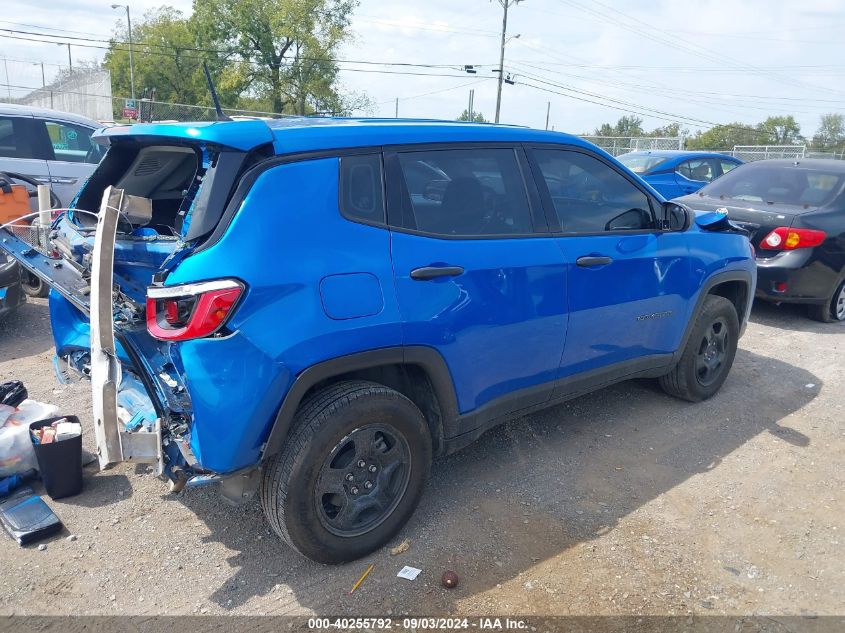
x=591 y=197
x=361 y=189
x=465 y=192
x=71 y=143
x=700 y=169
x=16 y=139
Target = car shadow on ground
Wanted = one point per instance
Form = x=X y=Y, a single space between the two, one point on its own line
x=522 y=494
x=790 y=316
x=26 y=330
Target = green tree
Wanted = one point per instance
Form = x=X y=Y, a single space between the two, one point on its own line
x=477 y=117
x=283 y=50
x=625 y=126
x=725 y=137
x=163 y=44
x=831 y=133
x=781 y=130
x=671 y=130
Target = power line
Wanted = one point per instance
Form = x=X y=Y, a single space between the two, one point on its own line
x=113 y=45
x=434 y=92
x=687 y=95
x=119 y=47
x=643 y=110
x=693 y=49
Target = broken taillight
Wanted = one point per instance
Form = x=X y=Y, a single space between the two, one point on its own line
x=180 y=313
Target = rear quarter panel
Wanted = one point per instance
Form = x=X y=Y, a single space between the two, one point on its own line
x=286 y=241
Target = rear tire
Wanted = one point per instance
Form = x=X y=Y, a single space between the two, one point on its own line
x=351 y=473
x=708 y=355
x=833 y=310
x=33 y=286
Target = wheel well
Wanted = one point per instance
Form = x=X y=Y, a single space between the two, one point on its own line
x=734 y=291
x=412 y=381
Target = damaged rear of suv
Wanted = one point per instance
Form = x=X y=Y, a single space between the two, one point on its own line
x=311 y=309
x=153 y=201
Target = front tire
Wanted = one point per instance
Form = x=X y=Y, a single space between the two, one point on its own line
x=833 y=310
x=351 y=473
x=708 y=355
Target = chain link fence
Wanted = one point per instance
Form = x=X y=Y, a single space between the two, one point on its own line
x=85 y=92
x=748 y=153
x=618 y=145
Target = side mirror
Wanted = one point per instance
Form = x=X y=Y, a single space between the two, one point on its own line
x=675 y=216
x=631 y=220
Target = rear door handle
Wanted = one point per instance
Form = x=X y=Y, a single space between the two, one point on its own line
x=433 y=272
x=593 y=260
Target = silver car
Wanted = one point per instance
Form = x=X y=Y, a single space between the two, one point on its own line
x=50 y=147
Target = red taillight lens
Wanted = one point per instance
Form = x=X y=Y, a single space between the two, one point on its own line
x=784 y=238
x=179 y=313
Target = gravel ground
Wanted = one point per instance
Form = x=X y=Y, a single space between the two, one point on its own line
x=622 y=502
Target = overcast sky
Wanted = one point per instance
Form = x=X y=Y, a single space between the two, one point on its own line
x=707 y=61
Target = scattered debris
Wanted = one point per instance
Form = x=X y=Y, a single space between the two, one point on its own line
x=399 y=549
x=27 y=518
x=361 y=579
x=71 y=538
x=42 y=547
x=449 y=579
x=409 y=573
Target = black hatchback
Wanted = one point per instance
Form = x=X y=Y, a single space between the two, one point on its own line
x=795 y=212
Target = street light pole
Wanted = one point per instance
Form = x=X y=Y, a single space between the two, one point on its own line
x=505 y=4
x=8 y=83
x=131 y=59
x=43 y=80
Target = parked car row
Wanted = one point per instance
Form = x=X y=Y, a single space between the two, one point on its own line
x=794 y=211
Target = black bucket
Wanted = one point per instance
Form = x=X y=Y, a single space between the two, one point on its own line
x=60 y=463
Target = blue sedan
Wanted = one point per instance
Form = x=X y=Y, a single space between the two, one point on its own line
x=677 y=173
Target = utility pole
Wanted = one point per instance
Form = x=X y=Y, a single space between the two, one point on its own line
x=397 y=107
x=471 y=99
x=8 y=83
x=69 y=61
x=548 y=110
x=505 y=4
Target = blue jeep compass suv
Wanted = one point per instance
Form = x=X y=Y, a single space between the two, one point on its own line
x=312 y=309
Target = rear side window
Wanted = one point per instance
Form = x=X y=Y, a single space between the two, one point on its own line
x=361 y=188
x=16 y=137
x=589 y=196
x=71 y=143
x=727 y=166
x=699 y=169
x=465 y=192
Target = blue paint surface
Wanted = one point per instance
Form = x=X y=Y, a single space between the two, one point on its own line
x=319 y=286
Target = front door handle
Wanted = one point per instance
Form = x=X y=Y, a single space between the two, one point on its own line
x=433 y=272
x=593 y=260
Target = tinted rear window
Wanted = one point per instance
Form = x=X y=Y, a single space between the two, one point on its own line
x=778 y=184
x=361 y=189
